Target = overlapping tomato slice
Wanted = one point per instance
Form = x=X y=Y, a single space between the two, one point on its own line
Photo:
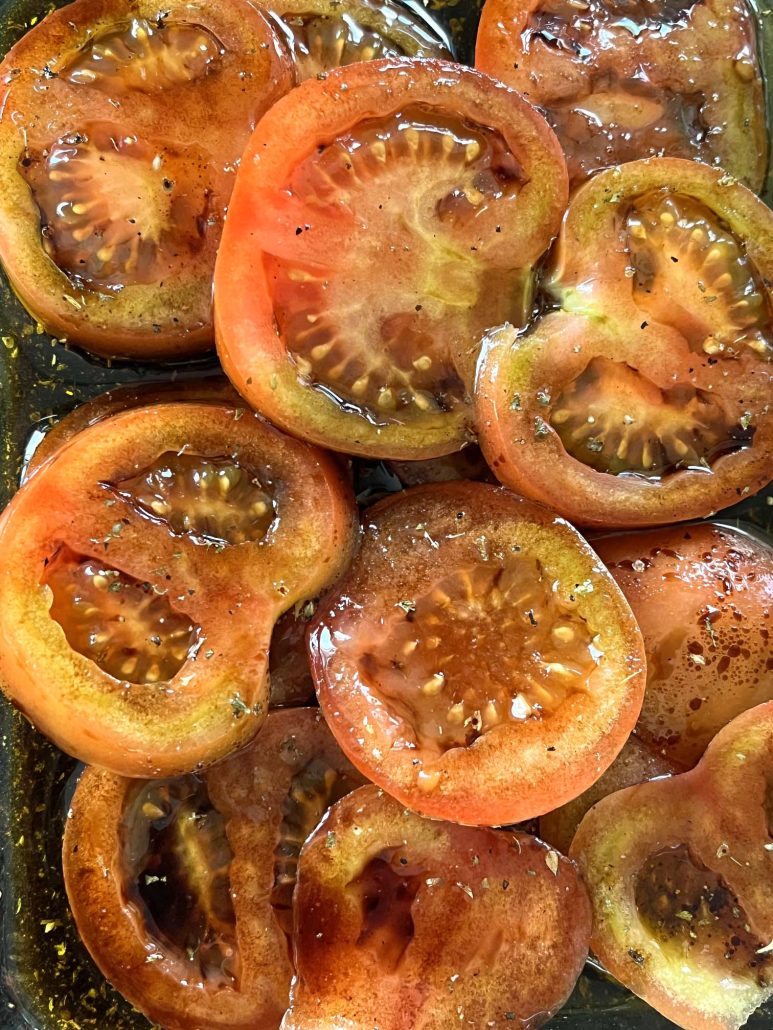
x=409 y=922
x=477 y=660
x=679 y=876
x=144 y=568
x=121 y=130
x=626 y=79
x=447 y=185
x=182 y=888
x=645 y=398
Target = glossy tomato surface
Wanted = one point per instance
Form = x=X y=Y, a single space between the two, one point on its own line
x=477 y=661
x=645 y=398
x=144 y=568
x=412 y=924
x=121 y=128
x=678 y=872
x=383 y=217
x=621 y=80
x=703 y=598
x=182 y=889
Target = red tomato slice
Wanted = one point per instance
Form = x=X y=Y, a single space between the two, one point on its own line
x=703 y=598
x=646 y=398
x=144 y=567
x=410 y=924
x=679 y=876
x=620 y=81
x=121 y=127
x=182 y=889
x=447 y=183
x=477 y=661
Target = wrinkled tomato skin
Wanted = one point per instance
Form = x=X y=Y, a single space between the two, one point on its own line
x=422 y=656
x=414 y=924
x=703 y=598
x=72 y=515
x=691 y=942
x=251 y=793
x=605 y=319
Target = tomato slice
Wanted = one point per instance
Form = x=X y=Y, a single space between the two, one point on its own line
x=477 y=660
x=325 y=34
x=182 y=889
x=635 y=764
x=120 y=134
x=703 y=597
x=625 y=80
x=449 y=184
x=144 y=568
x=466 y=464
x=289 y=672
x=407 y=922
x=679 y=876
x=646 y=398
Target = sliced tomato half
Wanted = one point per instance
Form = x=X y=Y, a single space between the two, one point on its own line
x=121 y=128
x=144 y=567
x=443 y=181
x=646 y=398
x=626 y=79
x=477 y=660
x=409 y=922
x=182 y=889
x=679 y=876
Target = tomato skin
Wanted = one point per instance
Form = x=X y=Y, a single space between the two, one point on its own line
x=263 y=207
x=250 y=791
x=717 y=812
x=140 y=320
x=599 y=317
x=703 y=597
x=234 y=595
x=483 y=903
x=431 y=541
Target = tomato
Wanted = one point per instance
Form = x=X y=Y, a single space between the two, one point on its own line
x=121 y=128
x=325 y=34
x=625 y=80
x=645 y=399
x=703 y=598
x=289 y=672
x=182 y=889
x=466 y=464
x=635 y=764
x=410 y=924
x=448 y=184
x=477 y=660
x=679 y=876
x=144 y=567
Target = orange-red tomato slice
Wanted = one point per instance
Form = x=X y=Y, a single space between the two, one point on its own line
x=703 y=598
x=144 y=567
x=182 y=889
x=404 y=922
x=645 y=399
x=620 y=81
x=679 y=876
x=383 y=217
x=121 y=128
x=477 y=660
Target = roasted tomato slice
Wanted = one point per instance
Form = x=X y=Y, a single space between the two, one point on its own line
x=703 y=598
x=477 y=661
x=182 y=888
x=407 y=922
x=646 y=398
x=679 y=876
x=635 y=764
x=288 y=660
x=144 y=567
x=466 y=464
x=325 y=34
x=625 y=79
x=448 y=184
x=121 y=127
